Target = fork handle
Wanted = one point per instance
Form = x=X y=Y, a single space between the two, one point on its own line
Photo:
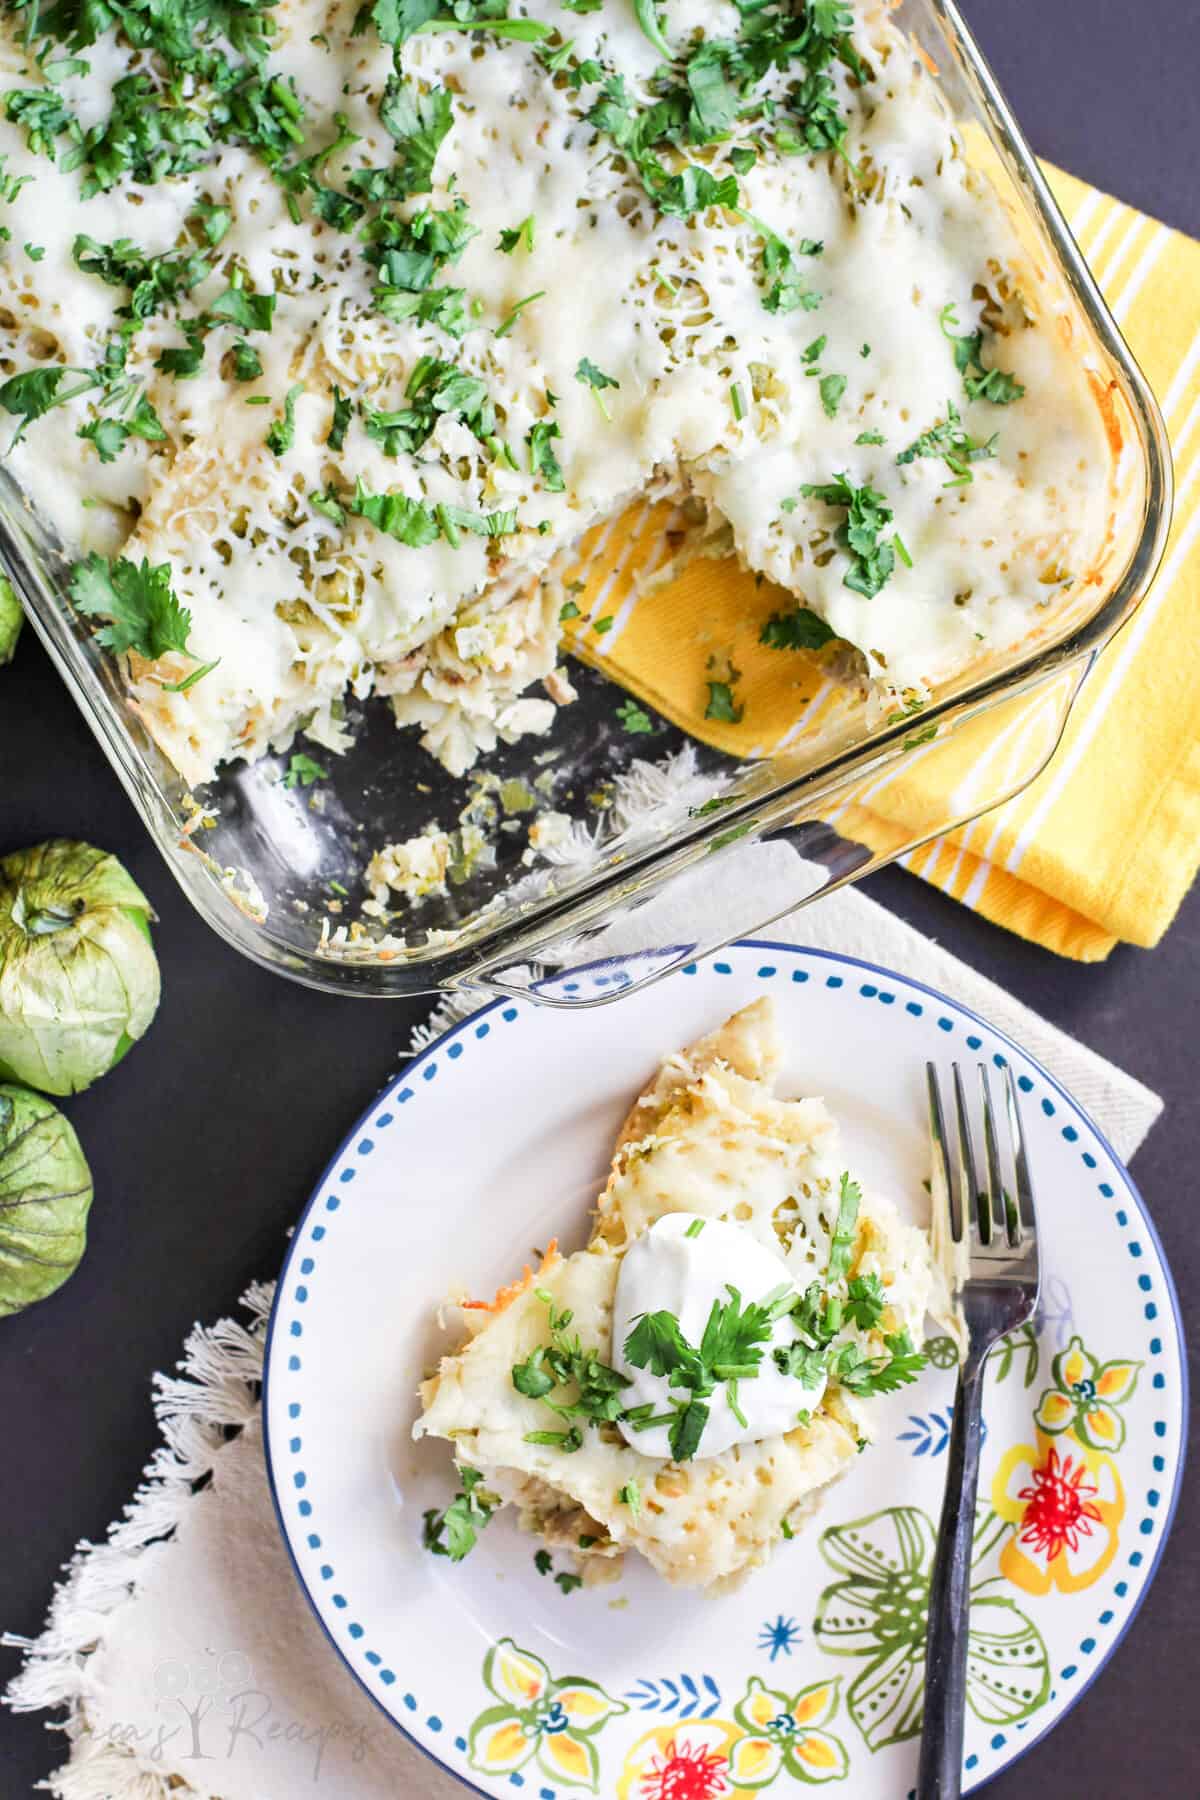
x=939 y=1772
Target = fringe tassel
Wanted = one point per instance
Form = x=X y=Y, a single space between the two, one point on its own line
x=215 y=1392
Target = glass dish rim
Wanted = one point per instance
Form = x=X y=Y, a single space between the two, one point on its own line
x=425 y=970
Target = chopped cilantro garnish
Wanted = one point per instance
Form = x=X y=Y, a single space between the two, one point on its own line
x=721 y=704
x=244 y=308
x=503 y=329
x=110 y=435
x=520 y=236
x=566 y=1582
x=138 y=601
x=182 y=361
x=303 y=772
x=602 y=626
x=867 y=514
x=800 y=629
x=841 y=1247
x=832 y=389
x=245 y=362
x=542 y=460
x=153 y=281
x=633 y=719
x=956 y=447
x=34 y=392
x=282 y=434
x=865 y=1301
x=329 y=506
x=542 y=1562
x=568 y=610
x=979 y=382
x=870 y=437
x=646 y=14
x=597 y=380
x=342 y=412
x=631 y=1496
x=455 y=1531
x=189 y=681
x=215 y=220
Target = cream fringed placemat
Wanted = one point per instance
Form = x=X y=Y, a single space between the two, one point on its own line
x=181 y=1659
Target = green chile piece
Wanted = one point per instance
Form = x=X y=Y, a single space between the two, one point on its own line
x=45 y=1193
x=79 y=979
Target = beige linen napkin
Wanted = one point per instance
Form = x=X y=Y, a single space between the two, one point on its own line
x=183 y=1651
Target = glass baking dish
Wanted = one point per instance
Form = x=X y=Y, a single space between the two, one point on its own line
x=686 y=854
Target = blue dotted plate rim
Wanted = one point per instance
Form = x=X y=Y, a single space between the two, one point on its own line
x=400 y=1089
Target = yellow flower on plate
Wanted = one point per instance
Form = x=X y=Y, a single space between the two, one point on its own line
x=1085 y=1397
x=1067 y=1503
x=539 y=1717
x=785 y=1733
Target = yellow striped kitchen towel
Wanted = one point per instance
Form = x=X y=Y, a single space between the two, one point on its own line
x=1103 y=845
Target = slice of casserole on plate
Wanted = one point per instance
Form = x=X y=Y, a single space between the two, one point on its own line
x=689 y=1383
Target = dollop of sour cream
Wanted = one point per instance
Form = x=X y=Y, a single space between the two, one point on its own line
x=681 y=1265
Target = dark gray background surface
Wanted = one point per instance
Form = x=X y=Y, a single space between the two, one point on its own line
x=204 y=1144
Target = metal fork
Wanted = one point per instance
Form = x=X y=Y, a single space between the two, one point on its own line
x=994 y=1232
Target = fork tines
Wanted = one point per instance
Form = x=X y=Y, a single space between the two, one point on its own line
x=997 y=1217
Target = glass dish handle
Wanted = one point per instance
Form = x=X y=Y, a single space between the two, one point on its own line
x=769 y=865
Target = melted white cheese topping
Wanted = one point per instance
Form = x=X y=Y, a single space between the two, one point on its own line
x=298 y=610
x=681 y=1265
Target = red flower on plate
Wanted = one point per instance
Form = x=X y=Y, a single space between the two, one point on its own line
x=1061 y=1507
x=686 y=1771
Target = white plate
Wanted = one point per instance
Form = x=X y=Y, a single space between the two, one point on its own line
x=498 y=1138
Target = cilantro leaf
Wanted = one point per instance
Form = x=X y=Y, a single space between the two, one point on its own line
x=110 y=435
x=803 y=1361
x=410 y=522
x=35 y=391
x=542 y=460
x=646 y=15
x=342 y=410
x=184 y=360
x=800 y=629
x=841 y=1247
x=721 y=704
x=531 y=1377
x=417 y=123
x=631 y=1496
x=687 y=1429
x=455 y=1531
x=519 y=235
x=303 y=772
x=137 y=600
x=867 y=514
x=832 y=388
x=588 y=373
x=566 y=1582
x=153 y=281
x=865 y=1301
x=245 y=361
x=244 y=308
x=282 y=434
x=397 y=20
x=633 y=719
x=656 y=1342
x=956 y=447
x=979 y=382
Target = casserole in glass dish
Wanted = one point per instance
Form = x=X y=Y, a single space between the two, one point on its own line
x=663 y=857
